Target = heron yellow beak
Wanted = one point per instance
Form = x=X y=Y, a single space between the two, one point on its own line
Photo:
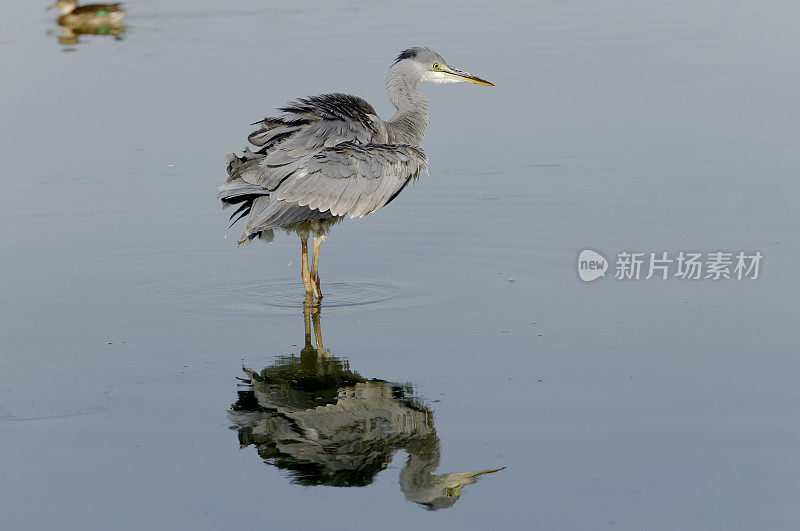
x=459 y=75
x=491 y=470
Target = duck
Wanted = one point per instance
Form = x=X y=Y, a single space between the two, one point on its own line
x=88 y=16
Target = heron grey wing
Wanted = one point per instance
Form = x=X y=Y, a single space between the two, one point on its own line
x=311 y=125
x=257 y=209
x=236 y=186
x=229 y=191
x=326 y=203
x=373 y=173
x=292 y=151
x=349 y=196
x=269 y=177
x=269 y=213
x=265 y=135
x=285 y=147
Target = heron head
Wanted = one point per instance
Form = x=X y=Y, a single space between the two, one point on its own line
x=429 y=67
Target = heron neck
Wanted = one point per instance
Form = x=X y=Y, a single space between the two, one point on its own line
x=409 y=123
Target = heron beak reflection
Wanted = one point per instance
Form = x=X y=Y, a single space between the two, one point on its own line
x=454 y=481
x=459 y=75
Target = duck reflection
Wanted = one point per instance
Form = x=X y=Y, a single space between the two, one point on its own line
x=92 y=19
x=327 y=425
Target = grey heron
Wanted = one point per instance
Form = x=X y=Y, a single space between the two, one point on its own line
x=331 y=156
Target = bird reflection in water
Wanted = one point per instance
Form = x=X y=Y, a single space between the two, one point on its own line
x=92 y=19
x=327 y=425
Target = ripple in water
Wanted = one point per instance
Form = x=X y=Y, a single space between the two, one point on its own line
x=281 y=294
x=335 y=294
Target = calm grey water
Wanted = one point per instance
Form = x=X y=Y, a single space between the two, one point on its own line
x=128 y=312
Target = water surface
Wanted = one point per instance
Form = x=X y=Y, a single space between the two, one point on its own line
x=128 y=312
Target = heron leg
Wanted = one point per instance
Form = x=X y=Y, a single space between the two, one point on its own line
x=305 y=275
x=315 y=268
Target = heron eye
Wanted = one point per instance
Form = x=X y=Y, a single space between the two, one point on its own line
x=436 y=66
